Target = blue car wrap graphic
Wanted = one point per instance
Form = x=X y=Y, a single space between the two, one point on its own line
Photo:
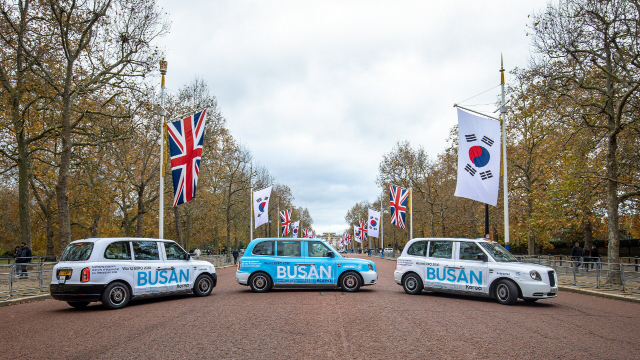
x=299 y=262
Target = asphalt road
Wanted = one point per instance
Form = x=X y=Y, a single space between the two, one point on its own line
x=380 y=321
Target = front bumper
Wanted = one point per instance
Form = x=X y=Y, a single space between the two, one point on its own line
x=537 y=290
x=369 y=277
x=242 y=277
x=214 y=277
x=76 y=292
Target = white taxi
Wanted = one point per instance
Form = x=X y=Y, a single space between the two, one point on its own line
x=472 y=266
x=113 y=270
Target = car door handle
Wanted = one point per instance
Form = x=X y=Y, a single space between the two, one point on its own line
x=305 y=264
x=454 y=267
x=171 y=268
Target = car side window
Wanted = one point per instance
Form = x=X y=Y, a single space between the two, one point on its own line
x=441 y=249
x=263 y=248
x=317 y=249
x=418 y=248
x=145 y=250
x=175 y=252
x=289 y=248
x=118 y=250
x=469 y=251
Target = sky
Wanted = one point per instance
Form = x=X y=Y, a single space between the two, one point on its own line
x=319 y=91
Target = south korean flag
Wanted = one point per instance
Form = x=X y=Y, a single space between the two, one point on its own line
x=294 y=229
x=373 y=223
x=478 y=158
x=261 y=206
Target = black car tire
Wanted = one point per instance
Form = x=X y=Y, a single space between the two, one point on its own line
x=203 y=285
x=350 y=282
x=412 y=284
x=115 y=296
x=506 y=292
x=260 y=282
x=78 y=304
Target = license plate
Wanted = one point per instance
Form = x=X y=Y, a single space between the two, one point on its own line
x=64 y=272
x=62 y=279
x=554 y=290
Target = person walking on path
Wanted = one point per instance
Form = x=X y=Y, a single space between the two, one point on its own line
x=23 y=256
x=576 y=254
x=235 y=256
x=196 y=252
x=595 y=257
x=587 y=257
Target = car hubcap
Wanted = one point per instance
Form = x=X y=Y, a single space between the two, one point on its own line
x=259 y=282
x=204 y=285
x=503 y=292
x=411 y=283
x=350 y=281
x=117 y=295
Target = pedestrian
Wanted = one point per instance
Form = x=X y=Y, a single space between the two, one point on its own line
x=587 y=257
x=23 y=256
x=595 y=256
x=196 y=252
x=235 y=256
x=576 y=254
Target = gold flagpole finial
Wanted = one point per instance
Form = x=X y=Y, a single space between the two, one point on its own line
x=501 y=70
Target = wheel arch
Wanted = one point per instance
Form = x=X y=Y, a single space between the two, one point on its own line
x=122 y=281
x=407 y=274
x=257 y=272
x=492 y=286
x=346 y=271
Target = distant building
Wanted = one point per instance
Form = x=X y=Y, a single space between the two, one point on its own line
x=331 y=238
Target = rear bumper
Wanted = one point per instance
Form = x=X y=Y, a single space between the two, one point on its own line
x=76 y=292
x=242 y=277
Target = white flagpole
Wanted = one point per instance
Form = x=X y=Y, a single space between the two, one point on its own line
x=278 y=216
x=163 y=71
x=251 y=205
x=381 y=224
x=505 y=184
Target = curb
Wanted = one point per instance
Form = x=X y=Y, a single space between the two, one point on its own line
x=599 y=294
x=25 y=299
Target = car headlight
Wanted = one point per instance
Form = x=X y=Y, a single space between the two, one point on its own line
x=370 y=267
x=535 y=275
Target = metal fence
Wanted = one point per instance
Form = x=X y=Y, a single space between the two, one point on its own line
x=34 y=278
x=597 y=273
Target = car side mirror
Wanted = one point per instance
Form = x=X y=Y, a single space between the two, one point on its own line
x=482 y=257
x=331 y=254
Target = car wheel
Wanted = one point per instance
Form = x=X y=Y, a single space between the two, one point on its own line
x=260 y=282
x=412 y=284
x=506 y=292
x=116 y=296
x=78 y=304
x=531 y=300
x=350 y=282
x=203 y=285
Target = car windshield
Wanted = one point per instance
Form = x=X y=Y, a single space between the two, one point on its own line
x=77 y=252
x=498 y=253
x=336 y=252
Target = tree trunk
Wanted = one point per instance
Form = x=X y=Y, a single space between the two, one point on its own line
x=531 y=240
x=24 y=174
x=64 y=225
x=188 y=239
x=588 y=234
x=613 y=253
x=176 y=216
x=141 y=212
x=50 y=252
x=94 y=225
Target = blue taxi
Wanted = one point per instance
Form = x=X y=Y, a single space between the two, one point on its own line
x=286 y=262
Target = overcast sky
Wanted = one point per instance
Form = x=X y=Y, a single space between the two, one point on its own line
x=320 y=90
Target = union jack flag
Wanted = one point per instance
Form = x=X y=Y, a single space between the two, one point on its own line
x=185 y=144
x=285 y=221
x=306 y=232
x=347 y=238
x=363 y=230
x=398 y=204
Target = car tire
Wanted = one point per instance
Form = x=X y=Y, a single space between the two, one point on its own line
x=78 y=304
x=260 y=282
x=203 y=285
x=412 y=284
x=506 y=292
x=350 y=282
x=115 y=296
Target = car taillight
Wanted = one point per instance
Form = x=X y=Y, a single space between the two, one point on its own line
x=84 y=275
x=239 y=264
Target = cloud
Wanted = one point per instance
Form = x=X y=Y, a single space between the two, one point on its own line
x=319 y=91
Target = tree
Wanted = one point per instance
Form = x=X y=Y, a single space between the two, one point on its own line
x=589 y=53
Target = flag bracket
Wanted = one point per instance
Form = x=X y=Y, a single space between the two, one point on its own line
x=477 y=112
